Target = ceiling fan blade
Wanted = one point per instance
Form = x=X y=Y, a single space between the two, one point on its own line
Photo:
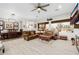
x=34 y=9
x=45 y=5
x=43 y=9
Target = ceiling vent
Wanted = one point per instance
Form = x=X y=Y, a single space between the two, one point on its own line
x=49 y=19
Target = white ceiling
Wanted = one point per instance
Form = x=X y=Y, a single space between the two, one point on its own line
x=23 y=10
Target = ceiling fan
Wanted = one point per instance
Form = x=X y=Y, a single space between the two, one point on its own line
x=40 y=7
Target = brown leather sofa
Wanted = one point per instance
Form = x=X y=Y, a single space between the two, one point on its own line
x=63 y=37
x=30 y=36
x=47 y=36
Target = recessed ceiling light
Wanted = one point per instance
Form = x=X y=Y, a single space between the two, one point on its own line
x=12 y=14
x=59 y=6
x=56 y=9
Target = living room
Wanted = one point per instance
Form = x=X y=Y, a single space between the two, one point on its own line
x=39 y=28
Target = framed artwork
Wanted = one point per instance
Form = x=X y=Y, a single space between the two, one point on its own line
x=1 y=22
x=34 y=25
x=41 y=27
x=8 y=25
x=15 y=25
x=1 y=27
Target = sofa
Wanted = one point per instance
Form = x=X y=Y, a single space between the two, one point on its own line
x=66 y=35
x=30 y=35
x=47 y=36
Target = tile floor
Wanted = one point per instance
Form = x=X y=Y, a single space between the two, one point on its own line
x=38 y=47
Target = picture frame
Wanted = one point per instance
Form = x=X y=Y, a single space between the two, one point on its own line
x=41 y=27
x=15 y=25
x=1 y=27
x=1 y=22
x=8 y=25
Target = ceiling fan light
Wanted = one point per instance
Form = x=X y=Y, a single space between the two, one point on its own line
x=38 y=9
x=59 y=6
